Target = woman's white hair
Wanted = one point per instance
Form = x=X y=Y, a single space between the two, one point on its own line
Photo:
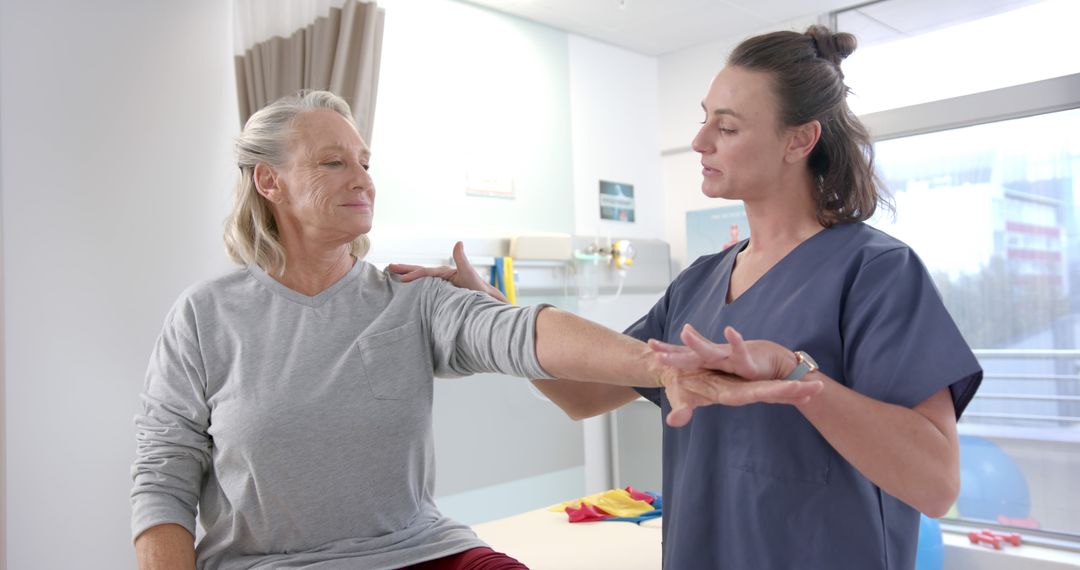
x=251 y=233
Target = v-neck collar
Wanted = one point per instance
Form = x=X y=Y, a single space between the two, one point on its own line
x=322 y=297
x=729 y=265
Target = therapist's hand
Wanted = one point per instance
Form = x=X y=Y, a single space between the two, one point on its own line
x=688 y=390
x=752 y=360
x=463 y=275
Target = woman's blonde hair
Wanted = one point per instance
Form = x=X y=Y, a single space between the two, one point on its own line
x=251 y=233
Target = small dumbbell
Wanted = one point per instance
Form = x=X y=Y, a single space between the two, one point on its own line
x=979 y=537
x=1011 y=537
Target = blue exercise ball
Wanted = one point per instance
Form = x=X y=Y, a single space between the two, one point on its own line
x=931 y=551
x=991 y=484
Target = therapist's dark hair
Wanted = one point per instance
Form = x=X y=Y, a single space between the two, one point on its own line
x=809 y=86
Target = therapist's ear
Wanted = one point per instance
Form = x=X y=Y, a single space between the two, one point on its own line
x=268 y=183
x=801 y=141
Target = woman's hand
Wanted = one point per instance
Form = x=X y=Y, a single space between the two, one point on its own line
x=752 y=360
x=690 y=389
x=463 y=275
x=733 y=374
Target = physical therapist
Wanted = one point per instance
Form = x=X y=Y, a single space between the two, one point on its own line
x=837 y=482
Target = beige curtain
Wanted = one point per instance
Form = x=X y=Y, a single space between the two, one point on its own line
x=338 y=52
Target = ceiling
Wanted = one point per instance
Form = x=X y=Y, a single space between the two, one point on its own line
x=656 y=27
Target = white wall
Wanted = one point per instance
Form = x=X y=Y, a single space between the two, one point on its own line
x=615 y=130
x=501 y=97
x=467 y=92
x=615 y=126
x=552 y=112
x=684 y=78
x=117 y=118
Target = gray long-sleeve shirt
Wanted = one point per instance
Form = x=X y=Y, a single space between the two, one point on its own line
x=300 y=427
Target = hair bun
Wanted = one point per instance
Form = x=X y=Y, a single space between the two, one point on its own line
x=830 y=46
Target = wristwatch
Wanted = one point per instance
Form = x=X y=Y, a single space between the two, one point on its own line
x=804 y=365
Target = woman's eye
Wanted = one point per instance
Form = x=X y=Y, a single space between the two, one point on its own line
x=333 y=163
x=727 y=131
x=366 y=166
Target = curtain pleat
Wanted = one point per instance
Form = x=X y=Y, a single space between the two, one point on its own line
x=323 y=39
x=338 y=52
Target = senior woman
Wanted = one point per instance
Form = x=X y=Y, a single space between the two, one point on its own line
x=289 y=402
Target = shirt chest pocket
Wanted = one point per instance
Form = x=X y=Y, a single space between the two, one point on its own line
x=776 y=442
x=397 y=362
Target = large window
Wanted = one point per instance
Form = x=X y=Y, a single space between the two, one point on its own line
x=977 y=120
x=994 y=212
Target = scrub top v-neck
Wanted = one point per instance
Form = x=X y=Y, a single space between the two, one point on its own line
x=757 y=486
x=731 y=258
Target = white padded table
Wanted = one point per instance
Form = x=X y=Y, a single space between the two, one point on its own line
x=544 y=540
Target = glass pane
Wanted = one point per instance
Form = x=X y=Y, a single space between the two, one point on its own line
x=993 y=212
x=915 y=51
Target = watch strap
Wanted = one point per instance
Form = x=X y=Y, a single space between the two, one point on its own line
x=804 y=365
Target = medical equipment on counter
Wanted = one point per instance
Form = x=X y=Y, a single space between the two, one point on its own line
x=619 y=254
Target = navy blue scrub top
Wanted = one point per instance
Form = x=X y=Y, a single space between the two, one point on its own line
x=757 y=487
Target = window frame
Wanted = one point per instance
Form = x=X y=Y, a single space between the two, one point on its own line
x=1015 y=102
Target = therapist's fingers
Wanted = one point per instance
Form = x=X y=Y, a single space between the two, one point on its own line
x=683 y=402
x=735 y=393
x=400 y=268
x=677 y=356
x=678 y=417
x=682 y=399
x=466 y=277
x=413 y=272
x=753 y=360
x=686 y=360
x=741 y=358
x=661 y=346
x=741 y=393
x=714 y=356
x=461 y=260
x=469 y=278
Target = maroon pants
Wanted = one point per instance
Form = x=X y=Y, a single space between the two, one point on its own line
x=473 y=559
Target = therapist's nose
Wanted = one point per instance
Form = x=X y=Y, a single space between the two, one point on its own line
x=701 y=143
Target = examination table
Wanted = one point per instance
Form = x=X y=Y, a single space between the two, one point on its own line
x=545 y=540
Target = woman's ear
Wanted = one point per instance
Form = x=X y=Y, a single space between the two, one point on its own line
x=801 y=141
x=267 y=183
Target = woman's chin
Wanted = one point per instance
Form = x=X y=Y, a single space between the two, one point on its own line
x=715 y=192
x=359 y=226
